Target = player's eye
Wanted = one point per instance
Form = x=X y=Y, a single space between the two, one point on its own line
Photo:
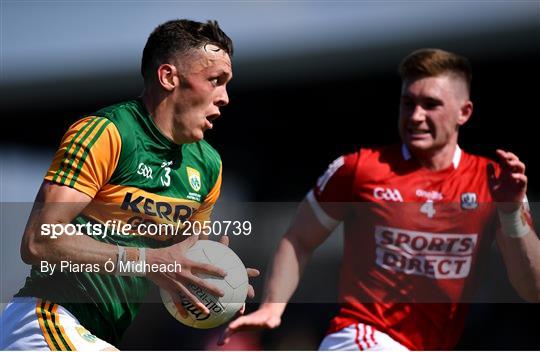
x=214 y=81
x=431 y=104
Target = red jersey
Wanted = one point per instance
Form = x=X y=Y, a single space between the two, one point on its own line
x=412 y=237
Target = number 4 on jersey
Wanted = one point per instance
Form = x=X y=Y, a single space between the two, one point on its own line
x=428 y=208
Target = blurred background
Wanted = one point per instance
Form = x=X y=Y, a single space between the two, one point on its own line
x=312 y=80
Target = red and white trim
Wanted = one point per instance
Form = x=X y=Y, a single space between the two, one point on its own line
x=456 y=158
x=326 y=220
x=360 y=337
x=365 y=337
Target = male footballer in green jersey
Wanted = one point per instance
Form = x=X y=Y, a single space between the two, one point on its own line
x=136 y=163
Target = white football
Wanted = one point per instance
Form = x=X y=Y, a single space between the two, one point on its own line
x=234 y=285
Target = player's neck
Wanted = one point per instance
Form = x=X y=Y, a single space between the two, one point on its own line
x=158 y=111
x=437 y=160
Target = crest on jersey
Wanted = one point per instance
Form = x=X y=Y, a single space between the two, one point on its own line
x=85 y=334
x=469 y=201
x=194 y=178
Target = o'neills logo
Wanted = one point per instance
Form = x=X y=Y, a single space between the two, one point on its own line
x=439 y=256
x=211 y=302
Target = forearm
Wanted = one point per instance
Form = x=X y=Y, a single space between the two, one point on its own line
x=522 y=258
x=288 y=264
x=78 y=249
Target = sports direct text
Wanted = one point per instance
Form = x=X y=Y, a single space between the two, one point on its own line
x=439 y=256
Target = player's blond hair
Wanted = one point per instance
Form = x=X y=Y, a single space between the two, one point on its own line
x=433 y=62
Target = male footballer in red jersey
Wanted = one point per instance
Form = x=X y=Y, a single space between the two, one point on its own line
x=417 y=218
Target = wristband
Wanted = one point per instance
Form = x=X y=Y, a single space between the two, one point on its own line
x=121 y=258
x=514 y=224
x=130 y=263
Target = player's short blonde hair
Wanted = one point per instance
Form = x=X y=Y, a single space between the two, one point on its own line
x=434 y=62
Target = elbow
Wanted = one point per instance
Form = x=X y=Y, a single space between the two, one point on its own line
x=301 y=249
x=31 y=252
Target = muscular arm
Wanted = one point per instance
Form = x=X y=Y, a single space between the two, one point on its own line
x=57 y=204
x=304 y=235
x=522 y=259
x=310 y=227
x=517 y=240
x=294 y=250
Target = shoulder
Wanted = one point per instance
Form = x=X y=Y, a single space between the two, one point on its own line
x=381 y=160
x=123 y=118
x=366 y=158
x=119 y=111
x=90 y=129
x=122 y=115
x=476 y=163
x=117 y=119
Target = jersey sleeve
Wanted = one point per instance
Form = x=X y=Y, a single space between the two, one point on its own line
x=330 y=197
x=205 y=210
x=87 y=156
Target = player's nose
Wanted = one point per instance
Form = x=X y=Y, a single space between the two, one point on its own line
x=222 y=98
x=418 y=114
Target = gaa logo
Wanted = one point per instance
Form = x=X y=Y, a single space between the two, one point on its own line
x=469 y=201
x=144 y=170
x=388 y=194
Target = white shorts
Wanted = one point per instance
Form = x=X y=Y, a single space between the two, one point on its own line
x=360 y=337
x=29 y=323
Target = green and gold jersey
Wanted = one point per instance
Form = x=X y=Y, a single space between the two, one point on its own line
x=135 y=175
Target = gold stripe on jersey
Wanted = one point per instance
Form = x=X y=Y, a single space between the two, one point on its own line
x=86 y=150
x=53 y=332
x=46 y=332
x=60 y=329
x=72 y=149
x=88 y=155
x=204 y=212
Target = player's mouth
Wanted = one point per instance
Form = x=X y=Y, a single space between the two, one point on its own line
x=209 y=120
x=419 y=132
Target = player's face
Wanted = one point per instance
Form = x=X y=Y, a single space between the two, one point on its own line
x=201 y=92
x=431 y=110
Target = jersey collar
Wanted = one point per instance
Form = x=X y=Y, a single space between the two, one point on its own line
x=455 y=160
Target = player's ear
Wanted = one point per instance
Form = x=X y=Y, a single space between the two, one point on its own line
x=167 y=77
x=465 y=112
